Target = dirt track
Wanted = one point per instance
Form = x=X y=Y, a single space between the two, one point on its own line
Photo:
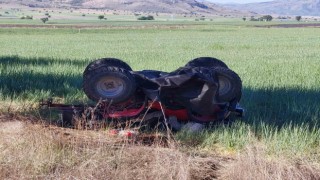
x=291 y=25
x=89 y=26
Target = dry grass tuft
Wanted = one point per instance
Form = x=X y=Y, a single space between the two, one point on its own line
x=254 y=163
x=39 y=151
x=29 y=151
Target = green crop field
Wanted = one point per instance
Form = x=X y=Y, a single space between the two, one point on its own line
x=279 y=68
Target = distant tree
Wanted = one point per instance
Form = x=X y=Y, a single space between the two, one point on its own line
x=282 y=17
x=298 y=18
x=44 y=20
x=150 y=17
x=47 y=14
x=142 y=18
x=267 y=18
x=146 y=18
x=101 y=17
x=83 y=14
x=253 y=19
x=244 y=18
x=26 y=17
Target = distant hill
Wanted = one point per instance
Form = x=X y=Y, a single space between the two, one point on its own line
x=162 y=6
x=282 y=7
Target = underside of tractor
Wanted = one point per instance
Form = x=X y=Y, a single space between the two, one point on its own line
x=204 y=90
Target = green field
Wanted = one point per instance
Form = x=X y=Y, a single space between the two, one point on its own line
x=279 y=67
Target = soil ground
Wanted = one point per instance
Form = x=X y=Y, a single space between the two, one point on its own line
x=293 y=25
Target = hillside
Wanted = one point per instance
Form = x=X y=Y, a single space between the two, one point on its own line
x=162 y=6
x=282 y=7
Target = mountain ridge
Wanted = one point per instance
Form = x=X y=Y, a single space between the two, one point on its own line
x=281 y=7
x=161 y=6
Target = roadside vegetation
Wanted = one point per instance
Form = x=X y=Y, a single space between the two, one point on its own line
x=278 y=138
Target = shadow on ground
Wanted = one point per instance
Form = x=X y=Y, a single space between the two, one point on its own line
x=21 y=76
x=16 y=60
x=281 y=106
x=276 y=106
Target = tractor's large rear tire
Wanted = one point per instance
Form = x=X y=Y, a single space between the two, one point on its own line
x=106 y=62
x=230 y=85
x=208 y=62
x=109 y=83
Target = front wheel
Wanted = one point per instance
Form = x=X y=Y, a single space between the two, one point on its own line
x=109 y=83
x=208 y=62
x=230 y=85
x=106 y=62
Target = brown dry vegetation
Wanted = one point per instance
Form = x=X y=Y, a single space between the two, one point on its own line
x=32 y=151
x=254 y=163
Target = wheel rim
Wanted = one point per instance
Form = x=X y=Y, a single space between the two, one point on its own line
x=224 y=85
x=110 y=87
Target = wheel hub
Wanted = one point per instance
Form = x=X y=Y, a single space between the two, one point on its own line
x=224 y=85
x=110 y=87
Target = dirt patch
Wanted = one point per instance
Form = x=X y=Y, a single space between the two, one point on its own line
x=90 y=26
x=290 y=25
x=11 y=130
x=12 y=127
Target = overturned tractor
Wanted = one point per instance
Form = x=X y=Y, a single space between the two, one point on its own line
x=202 y=91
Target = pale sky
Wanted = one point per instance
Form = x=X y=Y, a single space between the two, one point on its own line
x=237 y=1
